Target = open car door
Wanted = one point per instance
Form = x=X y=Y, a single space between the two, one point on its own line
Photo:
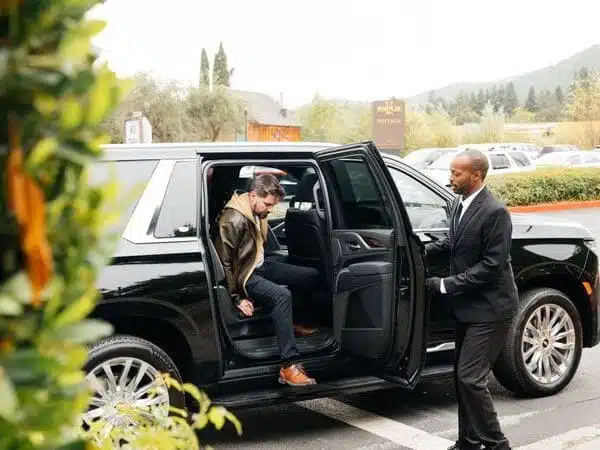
x=380 y=309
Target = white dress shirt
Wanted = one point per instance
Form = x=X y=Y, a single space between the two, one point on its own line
x=466 y=202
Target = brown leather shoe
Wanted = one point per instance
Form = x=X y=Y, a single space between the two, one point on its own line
x=302 y=331
x=295 y=375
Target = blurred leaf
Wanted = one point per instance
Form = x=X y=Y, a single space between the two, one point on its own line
x=72 y=114
x=8 y=397
x=9 y=306
x=78 y=309
x=42 y=151
x=82 y=332
x=18 y=287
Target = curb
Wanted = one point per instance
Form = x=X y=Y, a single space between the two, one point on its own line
x=559 y=206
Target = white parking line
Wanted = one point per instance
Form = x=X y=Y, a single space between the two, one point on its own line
x=585 y=438
x=389 y=429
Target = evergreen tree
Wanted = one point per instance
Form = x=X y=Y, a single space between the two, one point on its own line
x=220 y=71
x=512 y=100
x=531 y=103
x=560 y=97
x=204 y=70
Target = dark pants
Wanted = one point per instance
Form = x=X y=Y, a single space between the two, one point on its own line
x=265 y=289
x=478 y=346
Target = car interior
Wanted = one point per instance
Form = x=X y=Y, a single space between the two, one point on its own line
x=297 y=235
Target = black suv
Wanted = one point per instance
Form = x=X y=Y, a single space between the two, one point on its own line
x=361 y=218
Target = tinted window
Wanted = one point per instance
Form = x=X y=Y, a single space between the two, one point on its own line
x=499 y=162
x=425 y=208
x=575 y=160
x=520 y=159
x=132 y=177
x=177 y=216
x=362 y=206
x=591 y=158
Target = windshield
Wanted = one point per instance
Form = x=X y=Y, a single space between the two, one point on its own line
x=443 y=162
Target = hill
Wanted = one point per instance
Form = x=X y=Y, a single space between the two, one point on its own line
x=560 y=74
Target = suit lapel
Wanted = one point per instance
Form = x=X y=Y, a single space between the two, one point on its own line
x=468 y=214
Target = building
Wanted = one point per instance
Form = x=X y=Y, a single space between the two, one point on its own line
x=266 y=119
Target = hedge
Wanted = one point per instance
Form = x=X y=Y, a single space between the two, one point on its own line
x=547 y=185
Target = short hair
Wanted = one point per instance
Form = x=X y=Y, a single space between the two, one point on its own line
x=267 y=184
x=479 y=161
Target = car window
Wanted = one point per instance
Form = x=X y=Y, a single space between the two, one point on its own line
x=499 y=161
x=575 y=160
x=362 y=205
x=520 y=159
x=177 y=216
x=131 y=176
x=425 y=208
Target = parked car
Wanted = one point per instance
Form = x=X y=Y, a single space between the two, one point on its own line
x=423 y=157
x=369 y=217
x=558 y=148
x=500 y=162
x=570 y=159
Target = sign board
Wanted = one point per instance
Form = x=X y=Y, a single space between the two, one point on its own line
x=138 y=130
x=388 y=124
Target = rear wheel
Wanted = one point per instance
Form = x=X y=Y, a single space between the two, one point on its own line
x=543 y=346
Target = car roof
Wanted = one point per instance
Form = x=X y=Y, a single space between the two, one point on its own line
x=189 y=150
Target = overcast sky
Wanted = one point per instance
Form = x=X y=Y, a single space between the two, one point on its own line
x=354 y=49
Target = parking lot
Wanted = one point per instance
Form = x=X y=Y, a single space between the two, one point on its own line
x=426 y=417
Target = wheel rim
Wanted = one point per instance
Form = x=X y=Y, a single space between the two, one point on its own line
x=548 y=344
x=124 y=390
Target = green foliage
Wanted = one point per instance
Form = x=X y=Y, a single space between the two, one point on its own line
x=151 y=431
x=221 y=73
x=492 y=124
x=209 y=111
x=547 y=186
x=204 y=70
x=52 y=101
x=329 y=121
x=531 y=102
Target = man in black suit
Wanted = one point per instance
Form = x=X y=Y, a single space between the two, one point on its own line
x=483 y=293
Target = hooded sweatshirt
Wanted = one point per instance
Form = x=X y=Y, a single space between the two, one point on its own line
x=240 y=243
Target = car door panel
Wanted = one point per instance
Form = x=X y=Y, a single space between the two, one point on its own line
x=379 y=311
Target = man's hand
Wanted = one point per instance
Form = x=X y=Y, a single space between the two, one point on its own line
x=246 y=307
x=433 y=284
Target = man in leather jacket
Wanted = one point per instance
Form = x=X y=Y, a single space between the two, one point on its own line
x=242 y=233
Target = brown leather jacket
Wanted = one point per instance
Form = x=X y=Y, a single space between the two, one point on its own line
x=239 y=244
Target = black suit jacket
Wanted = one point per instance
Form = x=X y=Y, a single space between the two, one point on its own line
x=481 y=282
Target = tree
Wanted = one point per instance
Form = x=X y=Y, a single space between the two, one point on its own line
x=558 y=94
x=204 y=69
x=531 y=102
x=583 y=104
x=212 y=111
x=162 y=102
x=221 y=74
x=512 y=100
x=492 y=124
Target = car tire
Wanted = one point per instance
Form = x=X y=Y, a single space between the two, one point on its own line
x=123 y=353
x=523 y=342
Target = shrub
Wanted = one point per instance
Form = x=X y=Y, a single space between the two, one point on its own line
x=547 y=186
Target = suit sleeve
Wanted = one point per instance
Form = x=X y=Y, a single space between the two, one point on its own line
x=497 y=230
x=438 y=247
x=231 y=232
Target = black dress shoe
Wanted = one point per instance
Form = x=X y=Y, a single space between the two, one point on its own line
x=464 y=446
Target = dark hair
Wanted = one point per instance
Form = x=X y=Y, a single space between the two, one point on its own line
x=479 y=161
x=267 y=184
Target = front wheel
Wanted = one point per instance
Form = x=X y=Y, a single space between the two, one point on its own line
x=543 y=346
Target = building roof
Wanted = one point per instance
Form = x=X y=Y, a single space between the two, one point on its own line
x=265 y=110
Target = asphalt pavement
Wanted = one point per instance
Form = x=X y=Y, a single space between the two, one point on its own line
x=426 y=418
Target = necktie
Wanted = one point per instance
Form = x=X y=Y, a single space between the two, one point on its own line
x=458 y=213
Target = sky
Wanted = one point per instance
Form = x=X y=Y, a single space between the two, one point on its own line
x=351 y=49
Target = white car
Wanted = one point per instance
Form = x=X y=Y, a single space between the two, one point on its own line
x=500 y=161
x=423 y=157
x=570 y=159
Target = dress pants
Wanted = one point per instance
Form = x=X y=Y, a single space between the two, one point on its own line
x=265 y=289
x=478 y=346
